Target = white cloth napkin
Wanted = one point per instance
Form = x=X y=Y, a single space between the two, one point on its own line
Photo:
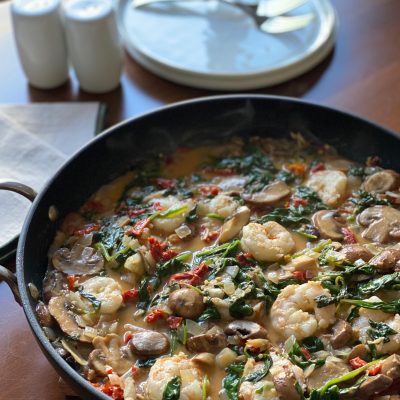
x=35 y=140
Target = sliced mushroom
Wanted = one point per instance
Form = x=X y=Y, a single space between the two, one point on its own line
x=232 y=227
x=382 y=223
x=388 y=259
x=246 y=329
x=285 y=381
x=382 y=181
x=354 y=252
x=269 y=195
x=373 y=385
x=109 y=351
x=327 y=225
x=358 y=351
x=391 y=366
x=186 y=302
x=54 y=282
x=149 y=343
x=341 y=334
x=80 y=260
x=204 y=359
x=60 y=309
x=210 y=342
x=43 y=314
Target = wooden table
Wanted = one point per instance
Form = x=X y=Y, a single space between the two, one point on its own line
x=362 y=75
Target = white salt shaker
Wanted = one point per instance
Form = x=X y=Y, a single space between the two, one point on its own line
x=40 y=41
x=93 y=43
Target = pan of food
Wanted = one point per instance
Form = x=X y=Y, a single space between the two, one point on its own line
x=234 y=247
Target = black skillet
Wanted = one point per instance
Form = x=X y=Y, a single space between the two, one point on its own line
x=191 y=123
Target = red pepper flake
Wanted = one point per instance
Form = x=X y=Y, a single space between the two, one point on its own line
x=165 y=183
x=87 y=229
x=130 y=295
x=349 y=237
x=297 y=168
x=174 y=322
x=209 y=190
x=357 y=362
x=305 y=353
x=211 y=236
x=300 y=275
x=317 y=167
x=297 y=201
x=127 y=337
x=71 y=279
x=155 y=315
x=135 y=213
x=219 y=171
x=138 y=228
x=374 y=369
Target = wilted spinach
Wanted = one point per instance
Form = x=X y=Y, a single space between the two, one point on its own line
x=173 y=389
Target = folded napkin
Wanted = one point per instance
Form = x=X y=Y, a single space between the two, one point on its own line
x=35 y=140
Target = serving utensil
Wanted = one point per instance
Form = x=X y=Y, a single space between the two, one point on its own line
x=266 y=14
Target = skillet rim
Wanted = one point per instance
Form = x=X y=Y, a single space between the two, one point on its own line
x=68 y=373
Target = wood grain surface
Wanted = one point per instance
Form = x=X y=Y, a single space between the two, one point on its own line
x=362 y=75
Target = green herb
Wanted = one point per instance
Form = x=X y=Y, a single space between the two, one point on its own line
x=182 y=332
x=285 y=176
x=204 y=384
x=298 y=357
x=232 y=380
x=240 y=309
x=145 y=363
x=354 y=313
x=215 y=216
x=96 y=303
x=171 y=213
x=144 y=296
x=391 y=307
x=374 y=285
x=363 y=199
x=100 y=246
x=174 y=341
x=173 y=389
x=192 y=215
x=209 y=313
x=260 y=373
x=109 y=236
x=312 y=344
x=380 y=330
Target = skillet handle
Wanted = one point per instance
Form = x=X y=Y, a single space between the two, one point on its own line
x=6 y=275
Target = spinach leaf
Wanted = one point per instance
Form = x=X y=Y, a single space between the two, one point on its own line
x=301 y=357
x=173 y=389
x=363 y=199
x=96 y=303
x=240 y=309
x=144 y=296
x=145 y=363
x=209 y=313
x=391 y=307
x=192 y=215
x=109 y=235
x=174 y=341
x=374 y=285
x=232 y=380
x=312 y=344
x=260 y=373
x=380 y=330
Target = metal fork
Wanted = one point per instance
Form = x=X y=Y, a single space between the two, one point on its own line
x=266 y=14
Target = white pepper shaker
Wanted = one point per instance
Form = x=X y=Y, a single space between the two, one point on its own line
x=40 y=41
x=93 y=43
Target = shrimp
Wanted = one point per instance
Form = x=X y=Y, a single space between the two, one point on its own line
x=295 y=311
x=169 y=224
x=361 y=326
x=106 y=290
x=267 y=242
x=166 y=369
x=330 y=185
x=223 y=205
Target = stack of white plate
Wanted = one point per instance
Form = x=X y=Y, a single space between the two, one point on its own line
x=213 y=45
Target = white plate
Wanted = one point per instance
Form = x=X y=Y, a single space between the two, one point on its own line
x=212 y=45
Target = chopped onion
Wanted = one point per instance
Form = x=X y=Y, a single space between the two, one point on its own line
x=289 y=343
x=76 y=356
x=193 y=328
x=91 y=332
x=33 y=290
x=309 y=370
x=232 y=270
x=183 y=231
x=229 y=287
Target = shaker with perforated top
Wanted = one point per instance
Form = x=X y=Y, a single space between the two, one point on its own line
x=40 y=41
x=93 y=43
